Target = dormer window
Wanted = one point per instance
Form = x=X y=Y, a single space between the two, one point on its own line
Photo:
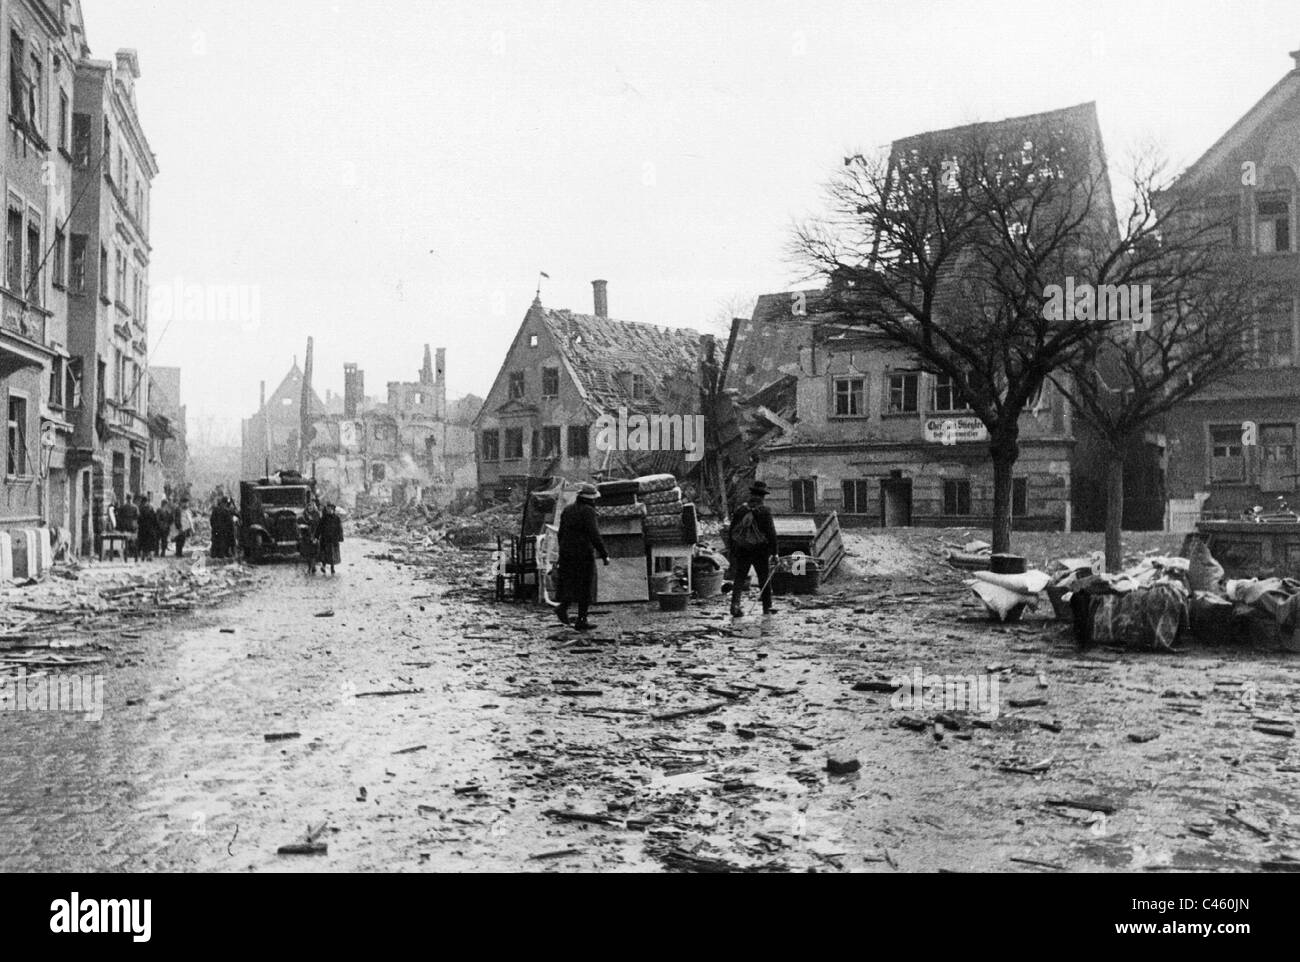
x=638 y=387
x=1273 y=224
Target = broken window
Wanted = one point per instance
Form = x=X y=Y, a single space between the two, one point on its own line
x=490 y=445
x=550 y=442
x=514 y=444
x=579 y=441
x=850 y=397
x=516 y=385
x=14 y=251
x=1277 y=442
x=803 y=496
x=550 y=382
x=103 y=272
x=956 y=497
x=16 y=461
x=72 y=384
x=902 y=392
x=56 y=382
x=1273 y=224
x=1226 y=454
x=532 y=340
x=81 y=140
x=855 y=497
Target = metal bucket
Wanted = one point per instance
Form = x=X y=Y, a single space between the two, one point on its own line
x=707 y=583
x=673 y=600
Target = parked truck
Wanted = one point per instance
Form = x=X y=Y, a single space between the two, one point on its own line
x=270 y=512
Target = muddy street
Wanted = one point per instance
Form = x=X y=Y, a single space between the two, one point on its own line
x=428 y=728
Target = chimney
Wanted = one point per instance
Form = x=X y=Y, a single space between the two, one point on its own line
x=1295 y=55
x=600 y=291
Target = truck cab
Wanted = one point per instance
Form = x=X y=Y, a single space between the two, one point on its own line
x=270 y=511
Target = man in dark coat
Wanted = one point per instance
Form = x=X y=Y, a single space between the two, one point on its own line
x=148 y=527
x=220 y=520
x=579 y=538
x=753 y=541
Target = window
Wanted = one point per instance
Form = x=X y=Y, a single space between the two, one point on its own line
x=77 y=260
x=956 y=498
x=1273 y=224
x=36 y=93
x=532 y=340
x=850 y=397
x=902 y=392
x=1226 y=460
x=946 y=396
x=550 y=442
x=119 y=290
x=579 y=441
x=1019 y=497
x=64 y=107
x=17 y=80
x=81 y=140
x=1273 y=346
x=1224 y=214
x=103 y=272
x=803 y=496
x=550 y=382
x=108 y=149
x=14 y=251
x=514 y=444
x=32 y=290
x=638 y=387
x=72 y=384
x=16 y=464
x=1277 y=443
x=60 y=276
x=855 y=497
x=516 y=385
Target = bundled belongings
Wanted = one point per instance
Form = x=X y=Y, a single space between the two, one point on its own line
x=1144 y=607
x=973 y=556
x=1006 y=596
x=1264 y=611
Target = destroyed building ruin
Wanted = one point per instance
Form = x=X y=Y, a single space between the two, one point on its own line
x=413 y=448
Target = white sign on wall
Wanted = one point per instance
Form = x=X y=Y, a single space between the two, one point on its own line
x=955 y=430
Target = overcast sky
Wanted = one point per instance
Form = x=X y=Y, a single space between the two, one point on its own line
x=383 y=174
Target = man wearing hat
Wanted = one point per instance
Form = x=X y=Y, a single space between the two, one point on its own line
x=752 y=536
x=579 y=538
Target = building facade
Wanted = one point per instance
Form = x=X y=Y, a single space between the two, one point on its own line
x=108 y=286
x=1235 y=445
x=562 y=373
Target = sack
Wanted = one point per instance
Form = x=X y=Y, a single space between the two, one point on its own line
x=745 y=533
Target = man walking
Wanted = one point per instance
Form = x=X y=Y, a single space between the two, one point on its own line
x=579 y=538
x=753 y=541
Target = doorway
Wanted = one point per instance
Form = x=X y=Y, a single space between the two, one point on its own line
x=896 y=503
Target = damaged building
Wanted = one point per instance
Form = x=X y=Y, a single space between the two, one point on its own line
x=413 y=447
x=566 y=371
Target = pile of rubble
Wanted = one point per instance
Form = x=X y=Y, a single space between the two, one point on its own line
x=422 y=523
x=79 y=603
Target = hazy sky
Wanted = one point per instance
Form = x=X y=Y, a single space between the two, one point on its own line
x=382 y=175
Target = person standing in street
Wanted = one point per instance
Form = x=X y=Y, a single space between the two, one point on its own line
x=331 y=536
x=148 y=527
x=184 y=526
x=166 y=518
x=752 y=537
x=579 y=544
x=220 y=521
x=128 y=522
x=309 y=536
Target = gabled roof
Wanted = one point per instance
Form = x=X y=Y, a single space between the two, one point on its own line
x=291 y=387
x=601 y=353
x=1239 y=133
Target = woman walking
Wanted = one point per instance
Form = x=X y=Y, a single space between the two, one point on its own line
x=331 y=536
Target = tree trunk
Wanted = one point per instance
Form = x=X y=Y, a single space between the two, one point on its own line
x=1004 y=452
x=1114 y=510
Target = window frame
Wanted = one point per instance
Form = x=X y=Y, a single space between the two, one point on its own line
x=506 y=436
x=20 y=428
x=1213 y=460
x=519 y=379
x=915 y=379
x=550 y=374
x=854 y=397
x=861 y=495
x=803 y=495
x=582 y=450
x=951 y=507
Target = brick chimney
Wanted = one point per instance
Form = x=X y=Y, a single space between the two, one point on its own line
x=1295 y=55
x=600 y=291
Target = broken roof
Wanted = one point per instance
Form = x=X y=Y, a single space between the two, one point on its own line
x=601 y=354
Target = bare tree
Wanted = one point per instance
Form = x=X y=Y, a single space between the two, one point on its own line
x=1128 y=379
x=958 y=244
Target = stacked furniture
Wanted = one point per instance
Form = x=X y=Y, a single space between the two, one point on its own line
x=670 y=547
x=621 y=517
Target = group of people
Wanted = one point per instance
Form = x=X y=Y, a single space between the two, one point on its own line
x=751 y=538
x=152 y=530
x=320 y=533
